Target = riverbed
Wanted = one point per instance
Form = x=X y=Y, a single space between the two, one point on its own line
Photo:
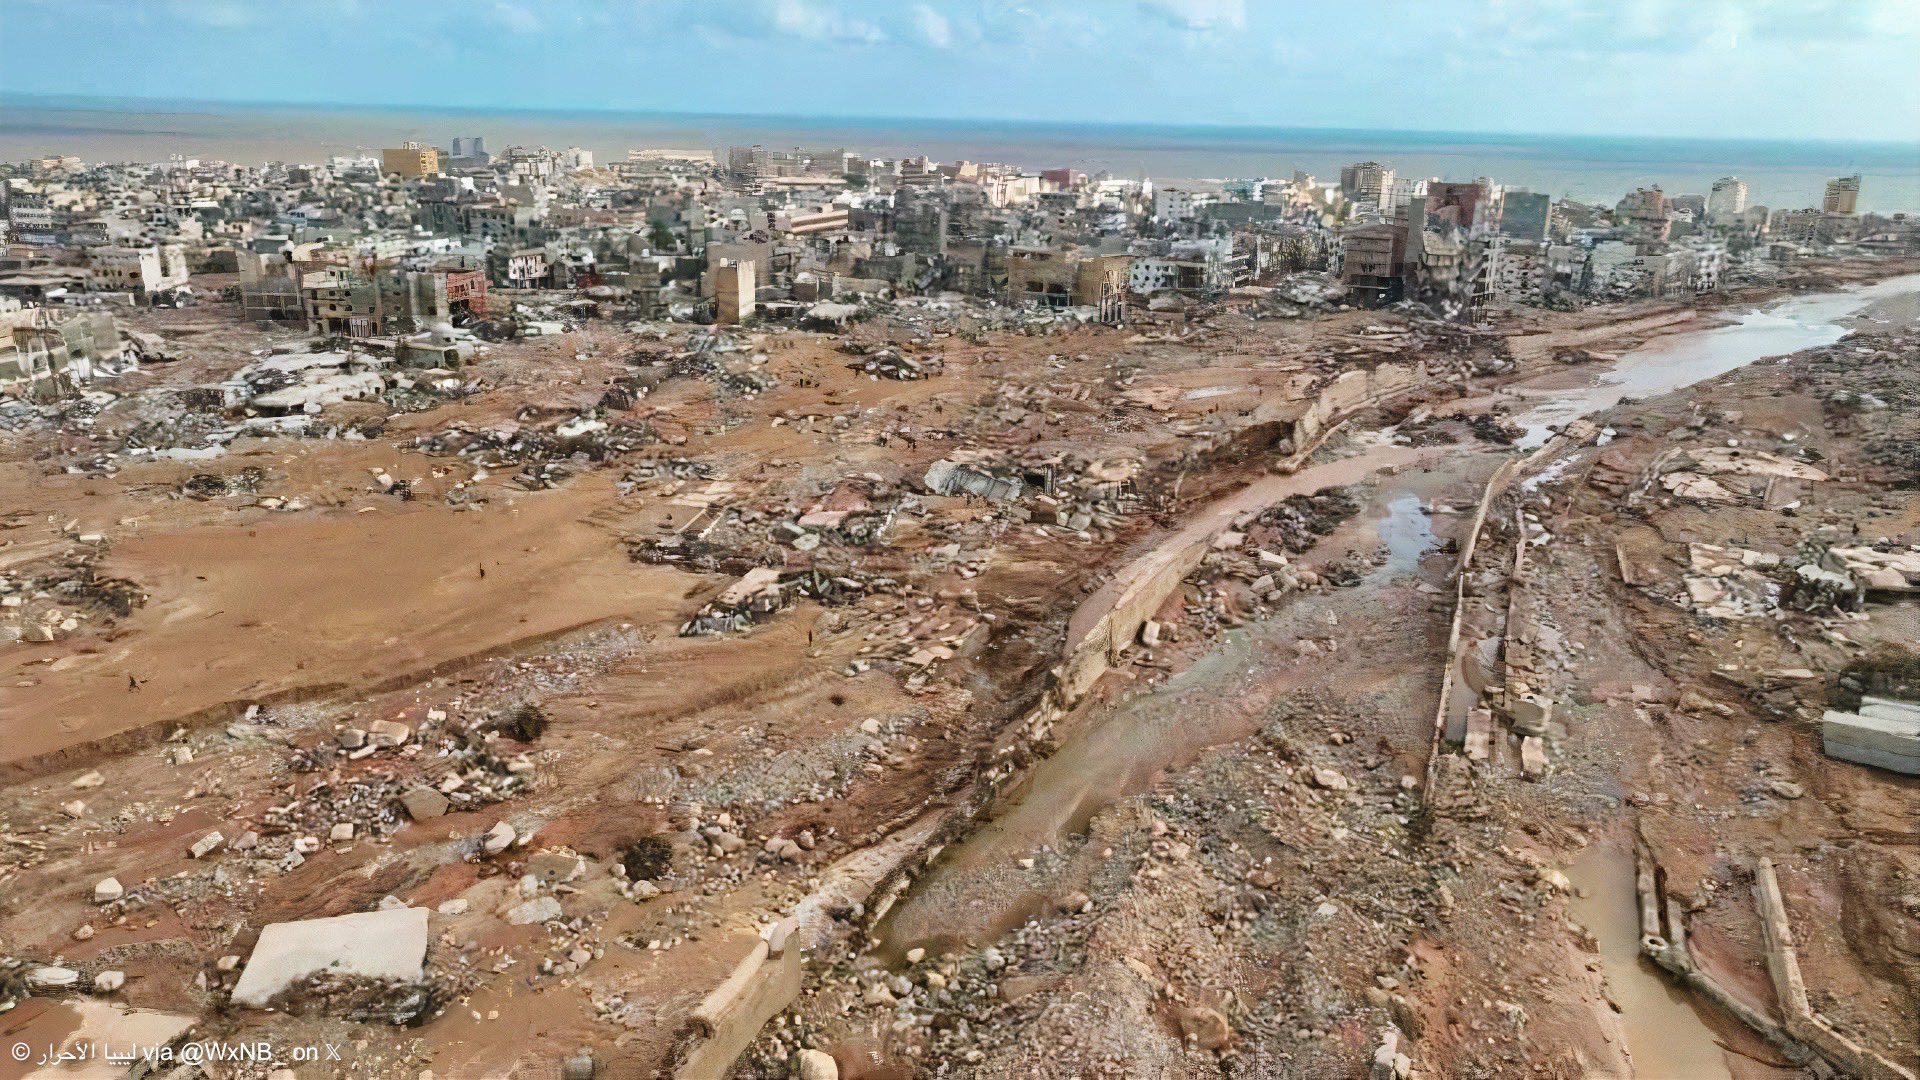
x=1674 y=361
x=971 y=896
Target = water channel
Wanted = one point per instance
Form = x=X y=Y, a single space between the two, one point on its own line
x=1117 y=752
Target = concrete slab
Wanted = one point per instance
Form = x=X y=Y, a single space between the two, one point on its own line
x=389 y=944
x=1886 y=737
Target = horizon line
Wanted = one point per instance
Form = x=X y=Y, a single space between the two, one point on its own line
x=827 y=119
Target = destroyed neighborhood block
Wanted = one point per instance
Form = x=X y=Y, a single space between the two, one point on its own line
x=386 y=945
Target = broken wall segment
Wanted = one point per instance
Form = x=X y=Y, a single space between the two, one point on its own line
x=1884 y=734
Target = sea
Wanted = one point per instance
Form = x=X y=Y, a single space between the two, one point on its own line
x=1780 y=174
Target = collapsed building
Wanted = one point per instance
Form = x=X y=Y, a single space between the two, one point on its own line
x=49 y=352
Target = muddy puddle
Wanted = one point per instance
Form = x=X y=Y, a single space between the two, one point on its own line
x=1666 y=1036
x=1678 y=360
x=1407 y=532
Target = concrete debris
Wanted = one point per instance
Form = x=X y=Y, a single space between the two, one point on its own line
x=1883 y=733
x=374 y=945
x=810 y=1064
x=538 y=910
x=1120 y=517
x=498 y=839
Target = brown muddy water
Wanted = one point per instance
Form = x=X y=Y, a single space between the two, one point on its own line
x=1666 y=1037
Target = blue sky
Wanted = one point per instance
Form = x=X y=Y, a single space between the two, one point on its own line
x=1840 y=69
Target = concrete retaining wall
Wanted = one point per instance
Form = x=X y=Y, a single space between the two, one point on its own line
x=1150 y=582
x=1776 y=930
x=763 y=983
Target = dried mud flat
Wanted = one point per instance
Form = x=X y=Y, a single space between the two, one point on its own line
x=1223 y=856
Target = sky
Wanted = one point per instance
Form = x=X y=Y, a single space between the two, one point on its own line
x=1831 y=69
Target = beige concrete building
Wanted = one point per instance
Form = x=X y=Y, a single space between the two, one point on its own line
x=1843 y=195
x=142 y=271
x=733 y=293
x=411 y=160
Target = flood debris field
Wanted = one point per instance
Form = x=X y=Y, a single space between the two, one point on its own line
x=937 y=699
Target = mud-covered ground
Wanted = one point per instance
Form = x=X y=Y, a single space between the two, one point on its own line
x=1246 y=872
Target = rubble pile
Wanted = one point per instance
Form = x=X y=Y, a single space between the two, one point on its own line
x=545 y=456
x=647 y=472
x=1298 y=522
x=49 y=599
x=1869 y=387
x=362 y=1000
x=204 y=486
x=435 y=769
x=764 y=591
x=891 y=363
x=711 y=356
x=1065 y=490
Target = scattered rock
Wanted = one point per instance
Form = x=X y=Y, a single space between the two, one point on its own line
x=539 y=909
x=816 y=1065
x=1205 y=1028
x=1330 y=779
x=422 y=803
x=498 y=839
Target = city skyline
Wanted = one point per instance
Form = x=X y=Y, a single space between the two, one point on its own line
x=1741 y=69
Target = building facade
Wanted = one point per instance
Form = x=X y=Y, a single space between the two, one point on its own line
x=411 y=160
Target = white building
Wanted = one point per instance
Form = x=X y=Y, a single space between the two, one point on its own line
x=1151 y=274
x=142 y=271
x=1182 y=200
x=1727 y=200
x=1709 y=262
x=1519 y=268
x=1402 y=191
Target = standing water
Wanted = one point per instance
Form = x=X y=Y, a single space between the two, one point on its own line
x=1665 y=1035
x=1678 y=360
x=971 y=894
x=1408 y=534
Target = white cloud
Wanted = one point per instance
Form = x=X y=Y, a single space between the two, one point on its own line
x=514 y=17
x=1202 y=16
x=935 y=29
x=819 y=22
